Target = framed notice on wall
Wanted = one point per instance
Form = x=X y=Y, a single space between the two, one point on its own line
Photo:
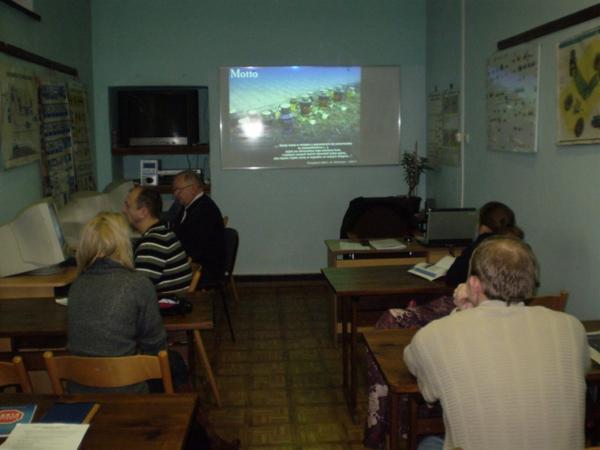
x=512 y=99
x=19 y=118
x=578 y=89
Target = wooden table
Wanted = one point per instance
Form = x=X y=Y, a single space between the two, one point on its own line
x=42 y=317
x=126 y=421
x=341 y=254
x=387 y=347
x=350 y=284
x=36 y=286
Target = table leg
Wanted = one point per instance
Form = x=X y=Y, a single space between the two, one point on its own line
x=353 y=368
x=394 y=428
x=343 y=307
x=191 y=358
x=204 y=359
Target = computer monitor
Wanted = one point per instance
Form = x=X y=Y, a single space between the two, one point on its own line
x=33 y=241
x=117 y=192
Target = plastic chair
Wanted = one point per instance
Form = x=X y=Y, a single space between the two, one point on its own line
x=107 y=372
x=232 y=241
x=15 y=374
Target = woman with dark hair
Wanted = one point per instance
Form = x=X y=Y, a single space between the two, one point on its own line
x=495 y=218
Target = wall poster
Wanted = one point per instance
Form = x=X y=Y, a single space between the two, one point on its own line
x=578 y=91
x=19 y=119
x=82 y=156
x=512 y=99
x=443 y=125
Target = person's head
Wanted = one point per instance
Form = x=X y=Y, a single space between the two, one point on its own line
x=105 y=236
x=502 y=268
x=186 y=186
x=497 y=218
x=142 y=207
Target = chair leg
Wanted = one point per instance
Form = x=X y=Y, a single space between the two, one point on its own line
x=206 y=363
x=222 y=290
x=234 y=288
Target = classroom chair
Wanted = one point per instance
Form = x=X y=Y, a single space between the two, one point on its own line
x=107 y=372
x=196 y=274
x=15 y=374
x=555 y=302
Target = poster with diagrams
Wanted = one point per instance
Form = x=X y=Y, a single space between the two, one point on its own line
x=57 y=168
x=82 y=156
x=578 y=89
x=512 y=99
x=443 y=126
x=19 y=118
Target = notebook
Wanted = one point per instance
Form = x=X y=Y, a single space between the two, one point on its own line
x=450 y=226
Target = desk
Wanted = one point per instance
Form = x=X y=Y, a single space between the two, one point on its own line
x=23 y=318
x=387 y=347
x=351 y=283
x=413 y=253
x=126 y=421
x=36 y=286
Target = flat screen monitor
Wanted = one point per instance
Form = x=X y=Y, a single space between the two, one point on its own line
x=309 y=116
x=33 y=241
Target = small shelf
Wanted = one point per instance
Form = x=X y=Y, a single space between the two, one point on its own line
x=200 y=149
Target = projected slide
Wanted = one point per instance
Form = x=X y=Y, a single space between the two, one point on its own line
x=297 y=116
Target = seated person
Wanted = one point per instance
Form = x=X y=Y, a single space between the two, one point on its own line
x=516 y=378
x=199 y=226
x=495 y=218
x=113 y=311
x=158 y=253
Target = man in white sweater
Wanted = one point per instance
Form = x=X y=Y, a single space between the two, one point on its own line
x=507 y=376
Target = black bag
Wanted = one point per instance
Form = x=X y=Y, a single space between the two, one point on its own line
x=174 y=306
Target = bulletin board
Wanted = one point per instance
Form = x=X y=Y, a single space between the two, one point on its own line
x=512 y=99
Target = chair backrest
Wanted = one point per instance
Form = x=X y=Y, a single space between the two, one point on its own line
x=232 y=241
x=107 y=372
x=14 y=374
x=555 y=302
x=196 y=275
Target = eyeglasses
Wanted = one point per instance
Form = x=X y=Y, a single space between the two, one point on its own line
x=176 y=191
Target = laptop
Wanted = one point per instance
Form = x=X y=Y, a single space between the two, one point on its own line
x=457 y=226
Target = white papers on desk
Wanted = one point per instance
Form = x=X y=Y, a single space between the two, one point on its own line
x=432 y=271
x=345 y=245
x=387 y=244
x=594 y=343
x=45 y=436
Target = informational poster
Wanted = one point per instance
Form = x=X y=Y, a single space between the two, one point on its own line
x=443 y=125
x=57 y=171
x=82 y=157
x=19 y=118
x=578 y=89
x=512 y=99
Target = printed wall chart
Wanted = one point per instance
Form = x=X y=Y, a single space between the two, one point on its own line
x=578 y=89
x=443 y=124
x=19 y=119
x=512 y=99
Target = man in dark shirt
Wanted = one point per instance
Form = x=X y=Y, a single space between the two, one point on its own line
x=199 y=226
x=158 y=254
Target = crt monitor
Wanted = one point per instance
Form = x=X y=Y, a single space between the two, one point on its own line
x=33 y=241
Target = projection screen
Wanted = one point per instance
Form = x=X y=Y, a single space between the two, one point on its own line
x=309 y=116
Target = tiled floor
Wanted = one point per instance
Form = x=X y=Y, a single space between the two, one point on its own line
x=281 y=382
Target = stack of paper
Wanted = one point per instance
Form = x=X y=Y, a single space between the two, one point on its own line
x=45 y=436
x=433 y=271
x=387 y=244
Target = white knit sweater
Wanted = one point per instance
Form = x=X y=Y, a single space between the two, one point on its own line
x=508 y=377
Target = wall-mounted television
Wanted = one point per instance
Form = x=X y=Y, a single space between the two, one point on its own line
x=159 y=116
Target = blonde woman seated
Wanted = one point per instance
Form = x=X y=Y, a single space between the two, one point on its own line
x=112 y=310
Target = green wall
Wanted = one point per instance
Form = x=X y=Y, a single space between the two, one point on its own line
x=283 y=216
x=63 y=35
x=553 y=192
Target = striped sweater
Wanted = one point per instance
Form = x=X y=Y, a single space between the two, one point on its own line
x=160 y=256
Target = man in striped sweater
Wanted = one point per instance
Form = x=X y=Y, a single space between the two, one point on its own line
x=158 y=254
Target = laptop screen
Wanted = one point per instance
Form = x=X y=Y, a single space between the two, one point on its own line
x=451 y=226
